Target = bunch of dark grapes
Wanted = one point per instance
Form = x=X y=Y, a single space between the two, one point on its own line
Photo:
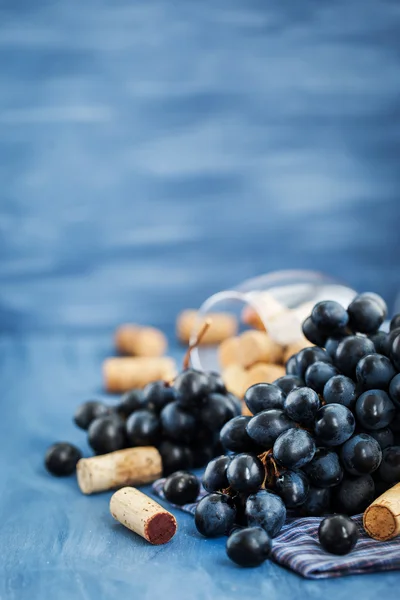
x=324 y=438
x=182 y=420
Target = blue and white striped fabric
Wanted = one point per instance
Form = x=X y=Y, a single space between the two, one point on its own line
x=297 y=548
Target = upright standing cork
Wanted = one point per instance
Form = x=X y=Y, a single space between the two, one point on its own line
x=223 y=325
x=144 y=516
x=135 y=340
x=124 y=373
x=133 y=466
x=382 y=518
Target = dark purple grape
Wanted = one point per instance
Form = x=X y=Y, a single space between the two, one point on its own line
x=338 y=534
x=340 y=390
x=61 y=459
x=266 y=510
x=332 y=344
x=366 y=313
x=324 y=471
x=263 y=396
x=175 y=457
x=235 y=438
x=380 y=340
x=361 y=455
x=191 y=387
x=216 y=410
x=265 y=427
x=292 y=487
x=215 y=478
x=312 y=333
x=308 y=356
x=329 y=317
x=177 y=424
x=287 y=383
x=129 y=402
x=318 y=374
x=384 y=437
x=87 y=412
x=374 y=372
x=181 y=488
x=245 y=473
x=389 y=469
x=106 y=434
x=334 y=424
x=291 y=365
x=350 y=351
x=374 y=409
x=318 y=502
x=215 y=383
x=294 y=448
x=354 y=495
x=249 y=547
x=158 y=394
x=143 y=428
x=302 y=405
x=215 y=515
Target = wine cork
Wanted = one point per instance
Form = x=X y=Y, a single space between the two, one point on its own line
x=140 y=341
x=133 y=466
x=257 y=346
x=295 y=347
x=263 y=373
x=229 y=352
x=382 y=518
x=234 y=378
x=122 y=374
x=143 y=515
x=223 y=325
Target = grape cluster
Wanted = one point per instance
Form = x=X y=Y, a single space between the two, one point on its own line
x=182 y=420
x=324 y=438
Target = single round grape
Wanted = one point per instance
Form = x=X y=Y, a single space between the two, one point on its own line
x=308 y=356
x=374 y=372
x=215 y=515
x=332 y=343
x=366 y=314
x=215 y=383
x=312 y=333
x=191 y=387
x=177 y=424
x=263 y=396
x=350 y=351
x=181 y=488
x=337 y=534
x=215 y=478
x=394 y=390
x=378 y=299
x=235 y=438
x=245 y=473
x=324 y=471
x=302 y=405
x=265 y=427
x=380 y=340
x=175 y=457
x=129 y=402
x=374 y=409
x=395 y=352
x=106 y=434
x=329 y=316
x=61 y=459
x=334 y=424
x=87 y=412
x=249 y=547
x=292 y=487
x=294 y=448
x=291 y=365
x=340 y=390
x=354 y=494
x=266 y=510
x=384 y=437
x=395 y=322
x=318 y=502
x=318 y=374
x=287 y=383
x=158 y=394
x=361 y=454
x=143 y=428
x=216 y=411
x=390 y=466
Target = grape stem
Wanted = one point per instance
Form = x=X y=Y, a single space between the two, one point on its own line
x=193 y=345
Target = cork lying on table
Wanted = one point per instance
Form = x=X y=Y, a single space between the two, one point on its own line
x=136 y=340
x=121 y=374
x=132 y=466
x=382 y=518
x=143 y=515
x=223 y=325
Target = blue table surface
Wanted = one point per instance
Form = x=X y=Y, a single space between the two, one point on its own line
x=152 y=153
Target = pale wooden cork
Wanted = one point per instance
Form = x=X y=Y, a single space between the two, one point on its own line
x=133 y=466
x=223 y=325
x=382 y=518
x=257 y=346
x=234 y=378
x=121 y=374
x=143 y=515
x=229 y=352
x=135 y=340
x=263 y=373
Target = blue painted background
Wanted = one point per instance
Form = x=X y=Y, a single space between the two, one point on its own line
x=151 y=153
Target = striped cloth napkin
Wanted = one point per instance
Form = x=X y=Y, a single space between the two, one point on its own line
x=297 y=548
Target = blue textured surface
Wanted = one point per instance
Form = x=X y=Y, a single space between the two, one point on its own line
x=152 y=153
